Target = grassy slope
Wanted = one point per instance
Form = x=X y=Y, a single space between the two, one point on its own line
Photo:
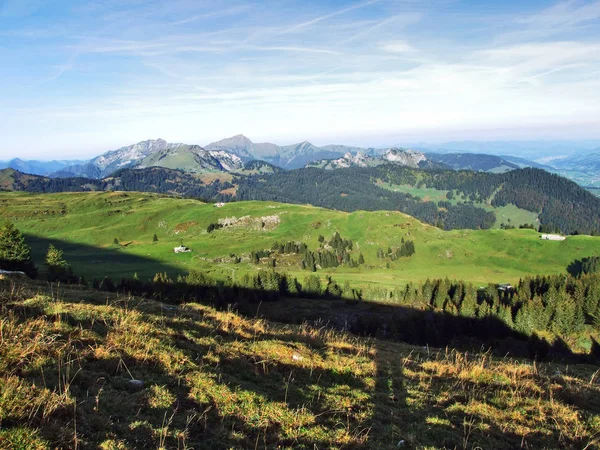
x=91 y=222
x=215 y=380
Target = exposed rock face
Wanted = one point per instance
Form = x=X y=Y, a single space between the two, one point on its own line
x=156 y=153
x=253 y=223
x=409 y=158
x=125 y=157
x=230 y=154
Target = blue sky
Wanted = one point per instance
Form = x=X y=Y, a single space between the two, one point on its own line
x=82 y=77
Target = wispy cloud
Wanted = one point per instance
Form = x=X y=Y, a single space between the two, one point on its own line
x=199 y=71
x=397 y=47
x=212 y=14
x=339 y=12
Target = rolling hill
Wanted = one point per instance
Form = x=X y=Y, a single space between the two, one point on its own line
x=473 y=161
x=86 y=224
x=445 y=198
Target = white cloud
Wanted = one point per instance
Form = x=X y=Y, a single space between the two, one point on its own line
x=397 y=47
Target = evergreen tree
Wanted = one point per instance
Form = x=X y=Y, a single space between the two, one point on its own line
x=361 y=259
x=57 y=267
x=155 y=238
x=15 y=254
x=468 y=306
x=312 y=285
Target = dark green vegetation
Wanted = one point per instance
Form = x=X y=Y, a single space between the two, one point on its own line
x=15 y=254
x=470 y=199
x=539 y=318
x=552 y=197
x=474 y=161
x=74 y=373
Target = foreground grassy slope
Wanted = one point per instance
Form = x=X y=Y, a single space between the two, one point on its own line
x=86 y=224
x=210 y=379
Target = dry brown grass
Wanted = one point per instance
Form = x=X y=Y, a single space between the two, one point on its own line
x=214 y=379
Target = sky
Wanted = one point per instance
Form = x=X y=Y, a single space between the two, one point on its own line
x=78 y=78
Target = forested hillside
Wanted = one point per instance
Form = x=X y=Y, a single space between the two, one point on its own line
x=562 y=205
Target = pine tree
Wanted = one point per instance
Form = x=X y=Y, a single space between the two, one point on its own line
x=155 y=238
x=361 y=259
x=15 y=254
x=468 y=306
x=56 y=265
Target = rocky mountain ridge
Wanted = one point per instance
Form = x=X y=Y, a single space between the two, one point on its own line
x=231 y=154
x=400 y=156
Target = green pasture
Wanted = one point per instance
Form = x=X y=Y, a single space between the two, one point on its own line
x=85 y=226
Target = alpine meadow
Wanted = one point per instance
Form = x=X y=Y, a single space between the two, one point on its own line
x=402 y=251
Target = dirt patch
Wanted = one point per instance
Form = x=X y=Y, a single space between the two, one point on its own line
x=210 y=178
x=230 y=191
x=183 y=227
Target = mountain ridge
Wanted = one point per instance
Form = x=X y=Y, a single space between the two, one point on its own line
x=230 y=154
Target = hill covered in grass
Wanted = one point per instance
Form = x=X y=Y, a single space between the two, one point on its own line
x=75 y=373
x=85 y=226
x=444 y=198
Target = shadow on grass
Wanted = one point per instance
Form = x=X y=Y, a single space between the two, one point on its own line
x=424 y=326
x=99 y=262
x=380 y=414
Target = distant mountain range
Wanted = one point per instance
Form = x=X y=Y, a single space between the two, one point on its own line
x=230 y=155
x=287 y=157
x=227 y=155
x=37 y=167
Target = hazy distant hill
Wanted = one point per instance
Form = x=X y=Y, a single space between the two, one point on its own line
x=580 y=162
x=533 y=150
x=35 y=167
x=287 y=156
x=522 y=162
x=473 y=161
x=239 y=145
